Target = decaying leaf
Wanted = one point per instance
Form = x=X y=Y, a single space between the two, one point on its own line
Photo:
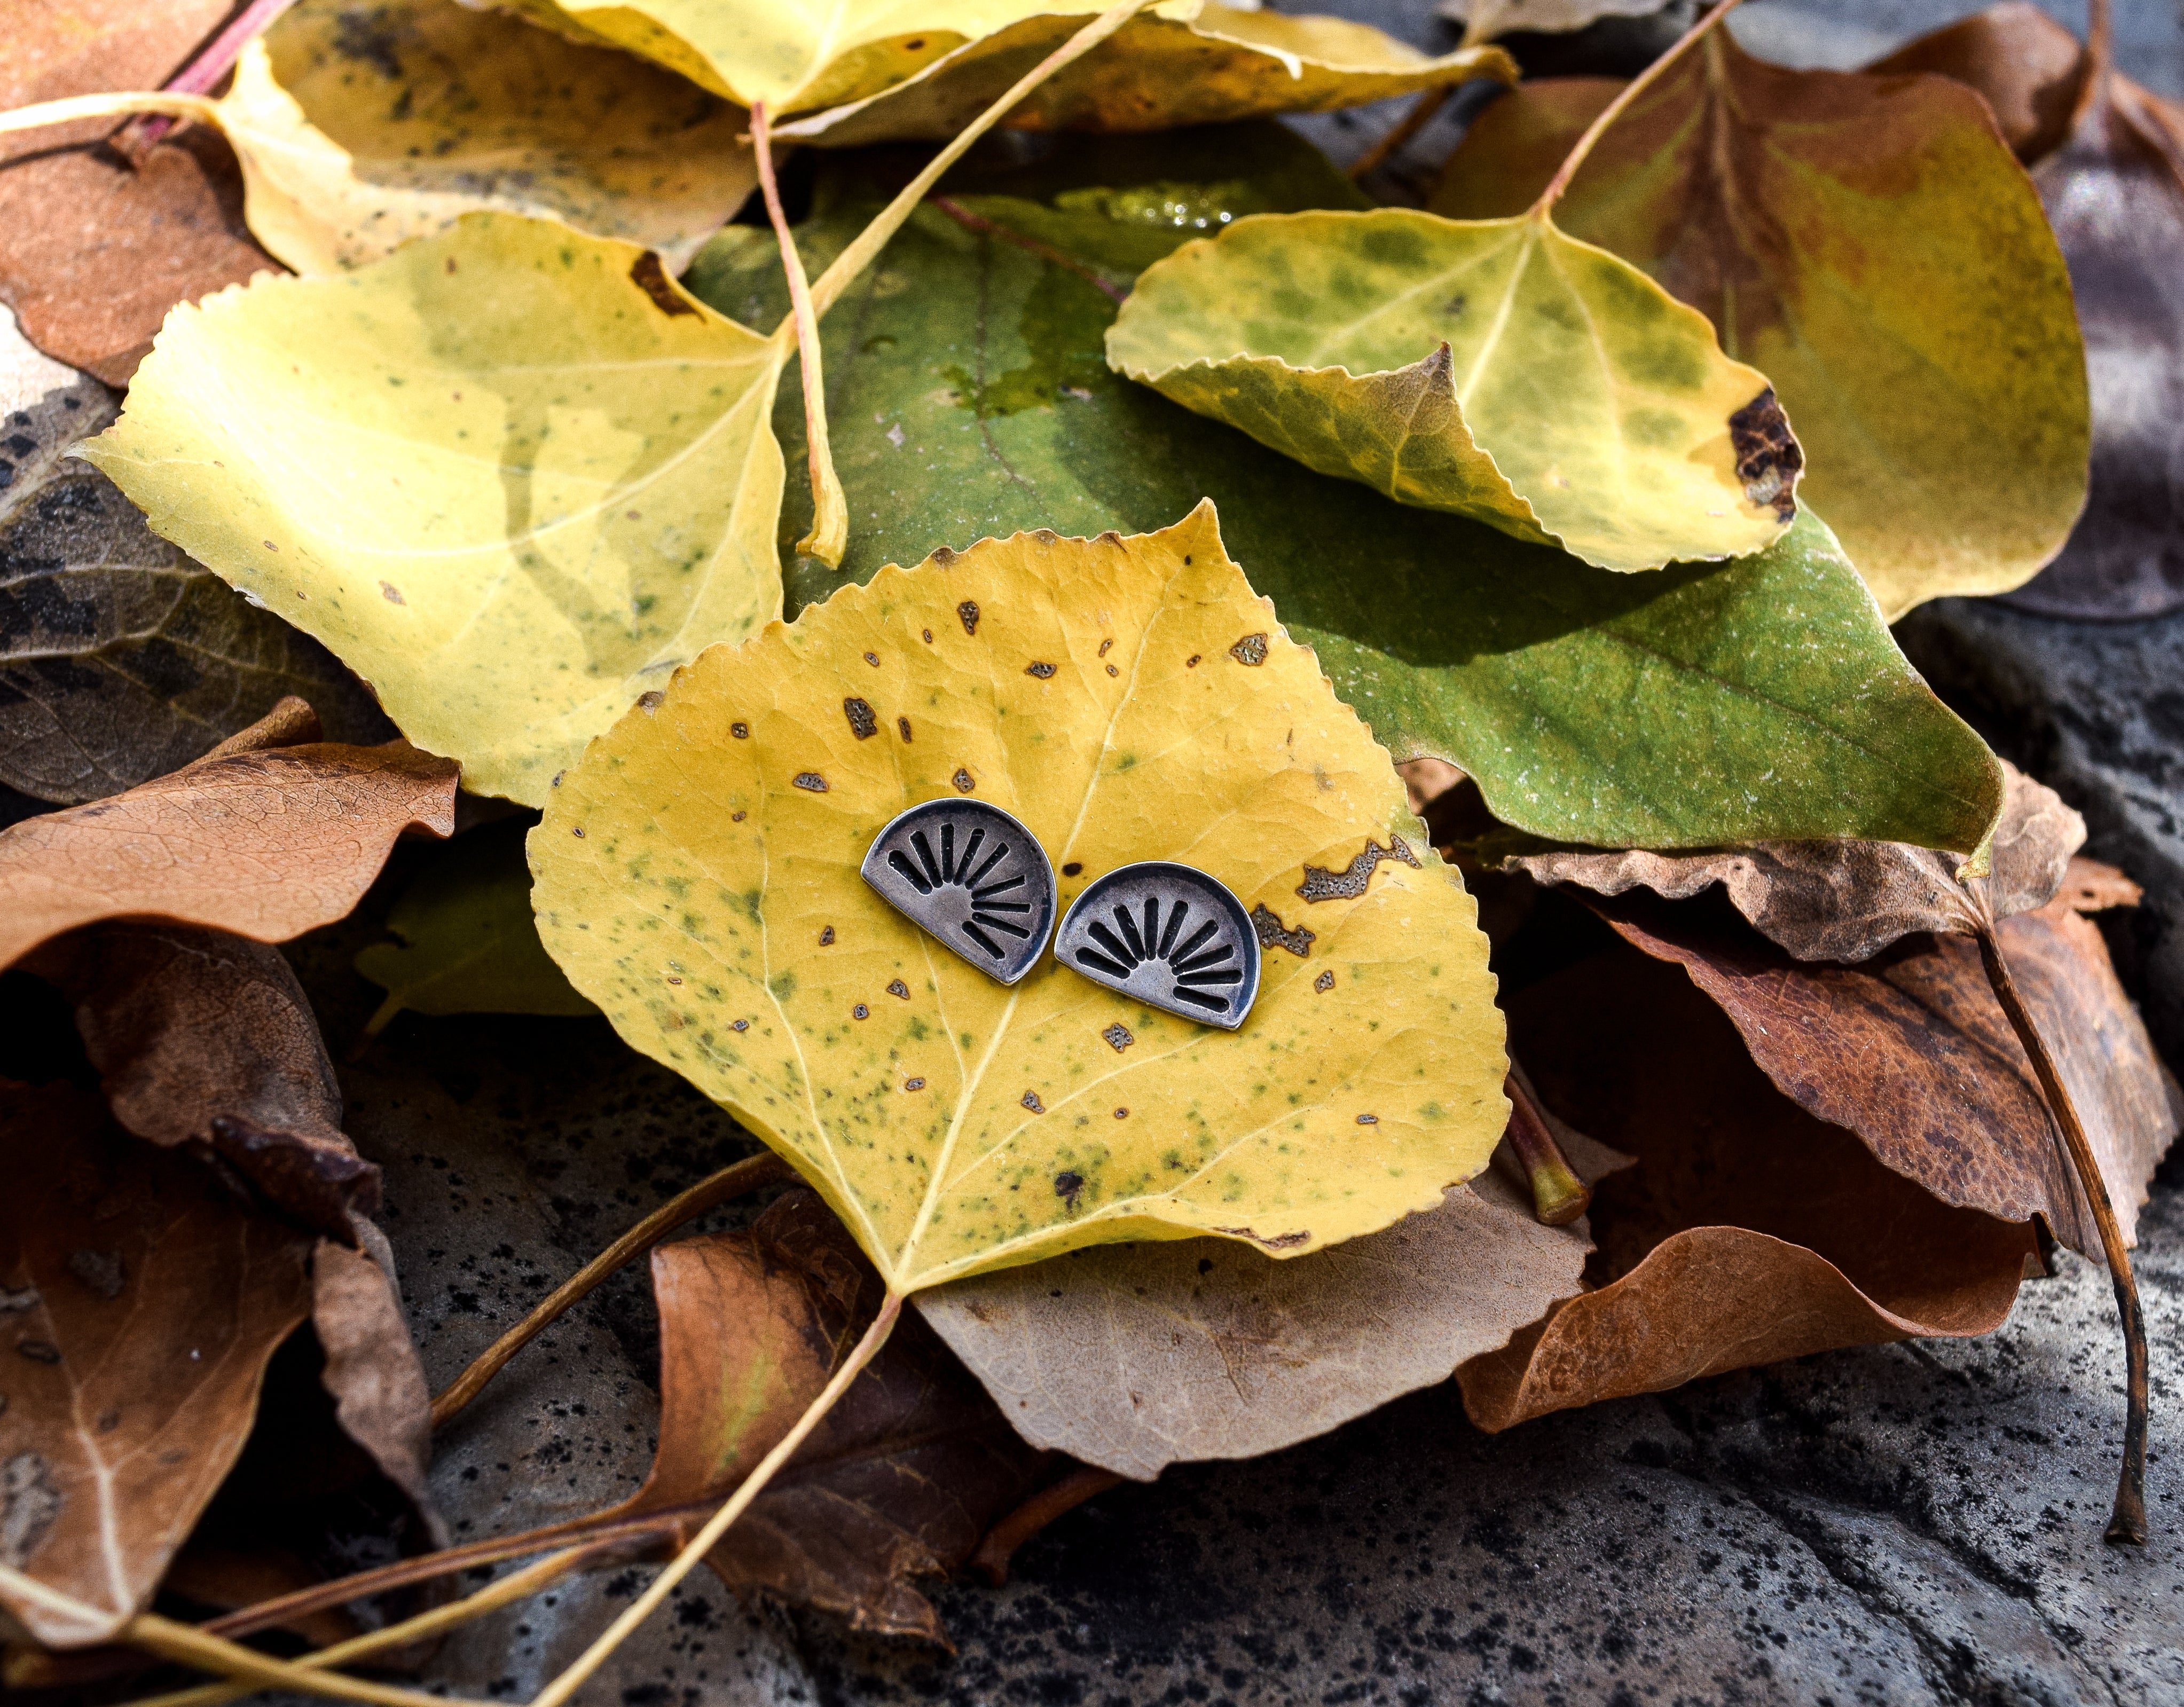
x=468 y=943
x=1157 y=73
x=1125 y=699
x=372 y=1369
x=1749 y=1232
x=1869 y=242
x=1190 y=61
x=1848 y=900
x=441 y=466
x=206 y=1039
x=2115 y=194
x=2029 y=69
x=120 y=659
x=1483 y=20
x=359 y=129
x=139 y=1304
x=1134 y=1357
x=272 y=833
x=1493 y=368
x=1910 y=1050
x=98 y=250
x=901 y=1479
x=1699 y=706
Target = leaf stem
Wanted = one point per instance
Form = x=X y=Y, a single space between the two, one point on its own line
x=208 y=67
x=120 y=104
x=853 y=260
x=2127 y=1521
x=829 y=536
x=1413 y=121
x=1559 y=1197
x=1616 y=108
x=990 y=228
x=729 y=1183
x=1056 y=1499
x=557 y=1692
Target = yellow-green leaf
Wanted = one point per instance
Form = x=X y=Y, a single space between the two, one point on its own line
x=1126 y=699
x=1495 y=369
x=466 y=941
x=511 y=475
x=1873 y=244
x=1185 y=62
x=1156 y=73
x=360 y=129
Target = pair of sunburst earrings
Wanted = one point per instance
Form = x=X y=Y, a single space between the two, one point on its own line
x=975 y=880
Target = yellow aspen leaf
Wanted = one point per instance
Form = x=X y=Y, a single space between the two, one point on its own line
x=512 y=475
x=1182 y=63
x=1126 y=700
x=1496 y=369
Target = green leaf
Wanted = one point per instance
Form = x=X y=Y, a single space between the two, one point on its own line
x=1759 y=699
x=468 y=943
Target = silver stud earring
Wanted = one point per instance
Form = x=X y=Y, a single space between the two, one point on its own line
x=1167 y=935
x=973 y=878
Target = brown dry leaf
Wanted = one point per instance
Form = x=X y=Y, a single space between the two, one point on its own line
x=1848 y=900
x=98 y=250
x=204 y=1038
x=2115 y=194
x=2029 y=68
x=139 y=1305
x=272 y=833
x=1749 y=1231
x=1134 y=1357
x=899 y=1481
x=372 y=1371
x=1911 y=1051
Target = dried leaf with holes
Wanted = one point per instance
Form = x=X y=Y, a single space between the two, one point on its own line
x=900 y=1481
x=120 y=659
x=1749 y=1231
x=303 y=827
x=507 y=541
x=1701 y=706
x=139 y=1304
x=467 y=942
x=98 y=249
x=1136 y=1357
x=1160 y=72
x=1493 y=368
x=1249 y=774
x=1941 y=393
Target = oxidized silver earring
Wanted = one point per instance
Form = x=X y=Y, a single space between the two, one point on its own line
x=1167 y=935
x=972 y=877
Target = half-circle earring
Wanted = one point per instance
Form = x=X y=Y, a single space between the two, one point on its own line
x=1168 y=936
x=972 y=877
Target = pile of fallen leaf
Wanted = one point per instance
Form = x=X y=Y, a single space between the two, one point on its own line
x=1658 y=980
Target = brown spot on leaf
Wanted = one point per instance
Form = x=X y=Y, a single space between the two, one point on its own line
x=826 y=937
x=1031 y=1101
x=1118 y=1036
x=1280 y=1241
x=1768 y=458
x=391 y=593
x=1368 y=1120
x=28 y=1503
x=1042 y=670
x=913 y=1084
x=651 y=701
x=1122 y=1114
x=902 y=724
x=898 y=988
x=1193 y=661
x=1323 y=982
x=1073 y=868
x=650 y=277
x=1250 y=650
x=1066 y=1186
x=968 y=611
x=738 y=817
x=811 y=781
x=740 y=730
x=100 y=1273
x=963 y=780
x=872 y=658
x=14 y=1303
x=860 y=1012
x=38 y=1350
x=928 y=637
x=1349 y=883
x=1104 y=645
x=739 y=1025
x=862 y=723
x=1273 y=935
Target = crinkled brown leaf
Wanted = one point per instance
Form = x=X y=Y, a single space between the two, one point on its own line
x=1848 y=900
x=272 y=833
x=1134 y=1357
x=899 y=1481
x=98 y=250
x=120 y=658
x=1911 y=1051
x=1749 y=1231
x=204 y=1038
x=139 y=1304
x=372 y=1371
x=2029 y=70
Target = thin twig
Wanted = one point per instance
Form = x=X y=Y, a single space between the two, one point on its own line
x=72 y=108
x=207 y=68
x=188 y=1645
x=829 y=535
x=990 y=228
x=2127 y=1521
x=1616 y=108
x=557 y=1692
x=991 y=1560
x=1415 y=120
x=730 y=1183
